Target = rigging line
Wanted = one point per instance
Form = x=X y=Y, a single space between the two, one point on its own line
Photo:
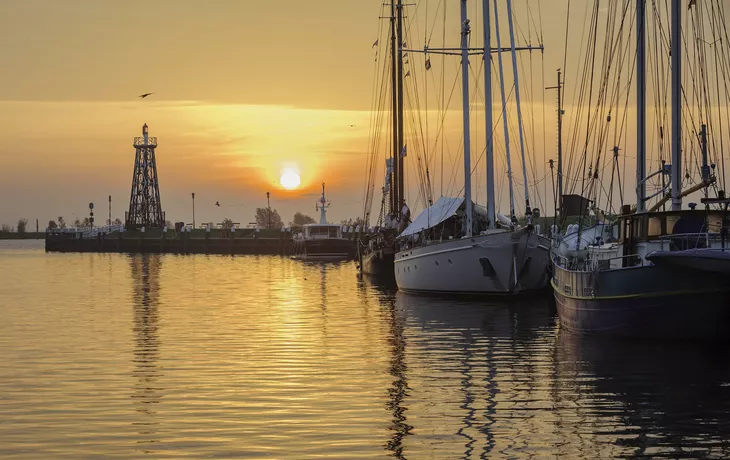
x=373 y=131
x=590 y=98
x=532 y=128
x=719 y=104
x=496 y=123
x=578 y=94
x=433 y=25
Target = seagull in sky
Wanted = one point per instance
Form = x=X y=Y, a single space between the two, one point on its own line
x=352 y=126
x=217 y=204
x=142 y=96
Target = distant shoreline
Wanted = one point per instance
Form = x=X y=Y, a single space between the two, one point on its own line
x=22 y=236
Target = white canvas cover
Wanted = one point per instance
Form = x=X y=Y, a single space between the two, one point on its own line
x=441 y=210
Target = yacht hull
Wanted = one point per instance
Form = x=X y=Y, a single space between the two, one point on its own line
x=643 y=301
x=324 y=249
x=502 y=262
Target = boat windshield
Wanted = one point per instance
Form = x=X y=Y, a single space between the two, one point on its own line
x=323 y=231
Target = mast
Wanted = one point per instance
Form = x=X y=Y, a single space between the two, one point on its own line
x=559 y=87
x=560 y=141
x=394 y=89
x=322 y=206
x=401 y=153
x=491 y=214
x=504 y=118
x=676 y=105
x=641 y=105
x=465 y=108
x=528 y=211
x=705 y=166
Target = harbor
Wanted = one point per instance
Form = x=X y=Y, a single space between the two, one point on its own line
x=464 y=229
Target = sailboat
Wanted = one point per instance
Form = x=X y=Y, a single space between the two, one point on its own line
x=648 y=282
x=446 y=249
x=376 y=249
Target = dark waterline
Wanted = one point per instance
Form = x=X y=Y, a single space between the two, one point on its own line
x=110 y=355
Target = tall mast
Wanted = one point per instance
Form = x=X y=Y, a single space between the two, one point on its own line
x=560 y=141
x=528 y=211
x=400 y=107
x=641 y=105
x=465 y=28
x=676 y=105
x=394 y=89
x=491 y=214
x=504 y=118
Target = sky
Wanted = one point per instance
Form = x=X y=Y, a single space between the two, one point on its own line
x=244 y=89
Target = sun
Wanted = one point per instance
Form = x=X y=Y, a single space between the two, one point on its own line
x=290 y=180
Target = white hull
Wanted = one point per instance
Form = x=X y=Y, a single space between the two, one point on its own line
x=503 y=262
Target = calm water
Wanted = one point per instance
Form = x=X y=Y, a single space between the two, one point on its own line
x=111 y=355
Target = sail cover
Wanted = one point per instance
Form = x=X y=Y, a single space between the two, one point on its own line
x=441 y=210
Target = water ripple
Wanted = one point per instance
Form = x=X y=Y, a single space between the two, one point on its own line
x=108 y=355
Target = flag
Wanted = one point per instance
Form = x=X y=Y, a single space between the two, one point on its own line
x=407 y=74
x=403 y=152
x=428 y=64
x=405 y=55
x=375 y=44
x=691 y=3
x=404 y=44
x=405 y=62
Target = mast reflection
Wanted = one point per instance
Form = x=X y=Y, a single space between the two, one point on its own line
x=398 y=369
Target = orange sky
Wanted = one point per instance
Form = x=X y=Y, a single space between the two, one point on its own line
x=244 y=89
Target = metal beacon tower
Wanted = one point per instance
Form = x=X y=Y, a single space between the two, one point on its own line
x=145 y=209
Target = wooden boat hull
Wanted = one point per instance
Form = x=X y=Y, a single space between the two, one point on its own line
x=380 y=262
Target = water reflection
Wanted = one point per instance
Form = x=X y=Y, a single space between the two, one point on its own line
x=145 y=273
x=671 y=400
x=463 y=351
x=263 y=357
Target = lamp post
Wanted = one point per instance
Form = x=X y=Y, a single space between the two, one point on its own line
x=268 y=207
x=193 y=209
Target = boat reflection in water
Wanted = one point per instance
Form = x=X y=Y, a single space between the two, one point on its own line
x=642 y=399
x=453 y=363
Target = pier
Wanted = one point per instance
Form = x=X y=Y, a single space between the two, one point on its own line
x=199 y=241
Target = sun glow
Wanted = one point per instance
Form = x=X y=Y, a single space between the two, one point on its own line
x=290 y=180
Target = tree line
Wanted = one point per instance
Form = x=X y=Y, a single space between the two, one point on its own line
x=265 y=218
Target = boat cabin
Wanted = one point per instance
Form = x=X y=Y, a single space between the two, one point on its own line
x=321 y=231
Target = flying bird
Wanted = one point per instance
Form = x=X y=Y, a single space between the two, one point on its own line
x=352 y=126
x=142 y=96
x=217 y=204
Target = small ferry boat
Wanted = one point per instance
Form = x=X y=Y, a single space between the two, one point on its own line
x=322 y=241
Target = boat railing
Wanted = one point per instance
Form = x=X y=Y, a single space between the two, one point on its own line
x=708 y=237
